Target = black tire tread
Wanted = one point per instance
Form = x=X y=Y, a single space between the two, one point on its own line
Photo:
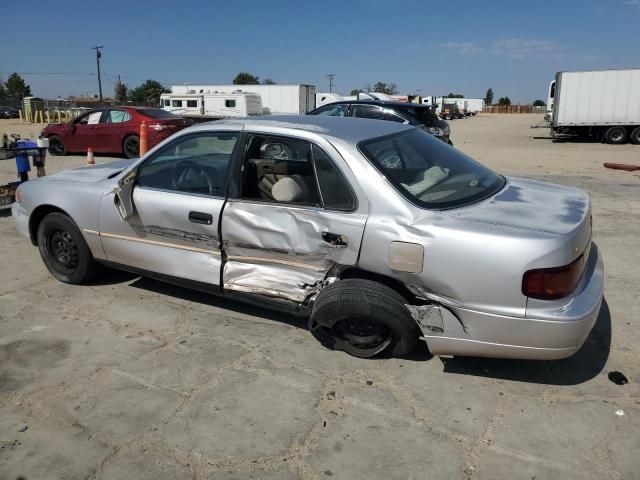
x=355 y=291
x=88 y=267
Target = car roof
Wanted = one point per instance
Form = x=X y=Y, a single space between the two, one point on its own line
x=345 y=128
x=382 y=103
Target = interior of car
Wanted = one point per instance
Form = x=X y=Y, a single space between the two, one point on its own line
x=280 y=170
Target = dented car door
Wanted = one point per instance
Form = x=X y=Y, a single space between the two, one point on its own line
x=295 y=219
x=176 y=201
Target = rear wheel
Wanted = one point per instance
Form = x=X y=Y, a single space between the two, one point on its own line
x=56 y=146
x=616 y=135
x=635 y=136
x=64 y=251
x=131 y=146
x=363 y=318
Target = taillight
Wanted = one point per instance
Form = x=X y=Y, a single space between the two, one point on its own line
x=552 y=283
x=158 y=126
x=18 y=195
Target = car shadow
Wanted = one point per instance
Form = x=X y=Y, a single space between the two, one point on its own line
x=5 y=212
x=584 y=365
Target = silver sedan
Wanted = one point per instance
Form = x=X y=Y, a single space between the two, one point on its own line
x=381 y=234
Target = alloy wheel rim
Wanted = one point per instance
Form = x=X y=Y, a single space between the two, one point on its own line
x=131 y=147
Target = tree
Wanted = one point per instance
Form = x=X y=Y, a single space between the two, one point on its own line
x=488 y=98
x=455 y=95
x=147 y=93
x=3 y=92
x=539 y=103
x=244 y=78
x=504 y=101
x=120 y=92
x=268 y=81
x=356 y=91
x=387 y=88
x=15 y=89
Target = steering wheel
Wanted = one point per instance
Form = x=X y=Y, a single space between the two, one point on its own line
x=185 y=172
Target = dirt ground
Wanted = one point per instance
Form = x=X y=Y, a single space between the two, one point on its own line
x=134 y=379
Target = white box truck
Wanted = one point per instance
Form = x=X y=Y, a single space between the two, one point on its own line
x=276 y=99
x=603 y=104
x=473 y=105
x=211 y=106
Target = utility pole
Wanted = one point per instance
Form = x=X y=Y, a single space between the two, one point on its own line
x=98 y=56
x=331 y=76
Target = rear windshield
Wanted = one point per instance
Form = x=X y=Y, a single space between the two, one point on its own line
x=428 y=172
x=424 y=115
x=156 y=113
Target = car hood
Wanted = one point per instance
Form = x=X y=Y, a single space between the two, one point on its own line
x=534 y=206
x=90 y=174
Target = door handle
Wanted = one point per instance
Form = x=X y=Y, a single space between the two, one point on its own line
x=199 y=217
x=335 y=239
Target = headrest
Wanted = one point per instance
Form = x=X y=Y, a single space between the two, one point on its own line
x=289 y=189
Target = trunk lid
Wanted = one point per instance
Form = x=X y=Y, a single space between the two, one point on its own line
x=538 y=209
x=532 y=205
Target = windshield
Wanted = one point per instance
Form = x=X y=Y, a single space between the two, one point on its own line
x=156 y=113
x=428 y=172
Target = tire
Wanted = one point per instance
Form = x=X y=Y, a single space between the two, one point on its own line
x=131 y=146
x=364 y=319
x=64 y=251
x=635 y=136
x=616 y=135
x=56 y=147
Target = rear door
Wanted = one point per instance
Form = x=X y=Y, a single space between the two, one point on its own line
x=113 y=127
x=178 y=195
x=295 y=218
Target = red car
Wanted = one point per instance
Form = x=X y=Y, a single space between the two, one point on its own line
x=112 y=130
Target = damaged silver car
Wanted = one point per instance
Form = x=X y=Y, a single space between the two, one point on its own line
x=380 y=233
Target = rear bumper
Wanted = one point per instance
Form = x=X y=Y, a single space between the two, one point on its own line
x=549 y=331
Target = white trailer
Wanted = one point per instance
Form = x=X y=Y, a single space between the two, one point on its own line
x=604 y=104
x=212 y=105
x=473 y=105
x=276 y=99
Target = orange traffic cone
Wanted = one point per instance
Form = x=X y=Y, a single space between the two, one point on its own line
x=90 y=160
x=143 y=139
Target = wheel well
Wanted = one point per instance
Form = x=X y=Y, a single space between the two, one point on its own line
x=392 y=283
x=36 y=217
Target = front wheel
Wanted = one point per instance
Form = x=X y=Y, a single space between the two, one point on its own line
x=363 y=318
x=64 y=251
x=131 y=146
x=56 y=146
x=616 y=135
x=635 y=136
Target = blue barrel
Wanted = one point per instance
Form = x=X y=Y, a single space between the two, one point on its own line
x=22 y=159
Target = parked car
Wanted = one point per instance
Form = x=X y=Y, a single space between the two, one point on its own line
x=381 y=233
x=112 y=130
x=409 y=113
x=8 y=112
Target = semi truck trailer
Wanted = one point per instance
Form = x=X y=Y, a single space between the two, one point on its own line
x=602 y=104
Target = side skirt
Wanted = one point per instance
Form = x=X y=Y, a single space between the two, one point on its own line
x=211 y=289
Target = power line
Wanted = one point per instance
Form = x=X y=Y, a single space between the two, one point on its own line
x=49 y=73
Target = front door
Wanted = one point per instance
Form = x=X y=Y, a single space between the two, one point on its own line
x=178 y=195
x=84 y=133
x=296 y=218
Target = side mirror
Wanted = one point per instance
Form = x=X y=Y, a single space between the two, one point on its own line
x=123 y=196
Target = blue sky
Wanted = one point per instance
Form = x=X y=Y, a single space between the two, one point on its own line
x=462 y=46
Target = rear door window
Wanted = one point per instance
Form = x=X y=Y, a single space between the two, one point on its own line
x=117 y=116
x=368 y=111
